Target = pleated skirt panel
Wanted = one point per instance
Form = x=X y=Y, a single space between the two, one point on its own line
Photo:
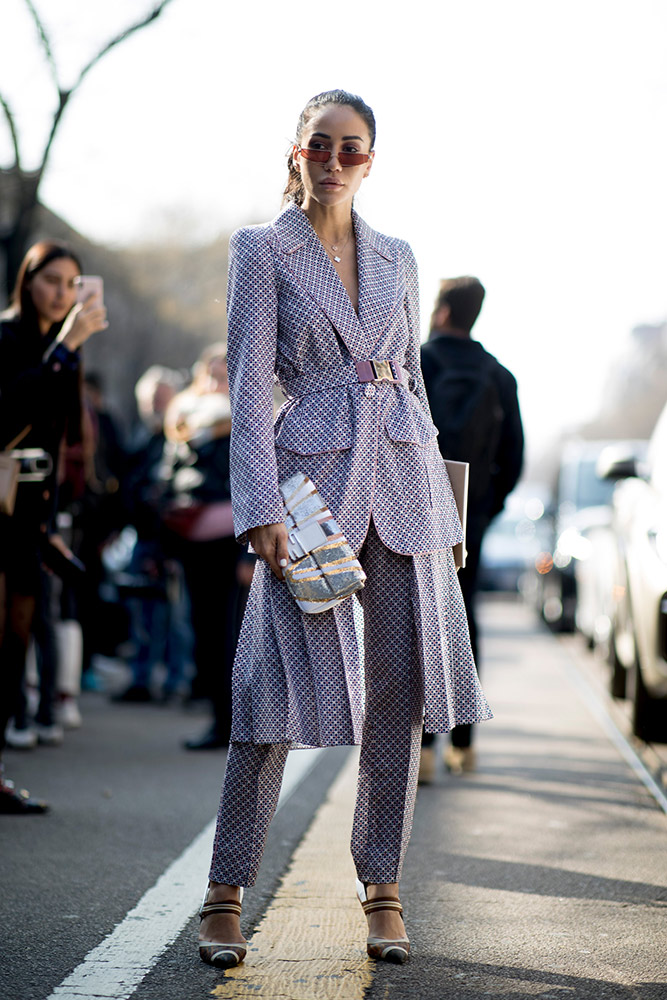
x=299 y=679
x=452 y=692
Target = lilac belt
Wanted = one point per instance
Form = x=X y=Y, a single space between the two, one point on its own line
x=373 y=370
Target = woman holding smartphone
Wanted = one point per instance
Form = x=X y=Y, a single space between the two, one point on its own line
x=329 y=307
x=40 y=404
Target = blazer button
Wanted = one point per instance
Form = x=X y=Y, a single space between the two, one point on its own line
x=369 y=391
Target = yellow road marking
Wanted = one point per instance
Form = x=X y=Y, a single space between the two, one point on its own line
x=312 y=940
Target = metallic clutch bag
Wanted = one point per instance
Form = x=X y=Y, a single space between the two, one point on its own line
x=323 y=570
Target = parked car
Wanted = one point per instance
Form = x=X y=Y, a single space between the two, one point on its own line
x=514 y=539
x=582 y=501
x=596 y=552
x=638 y=639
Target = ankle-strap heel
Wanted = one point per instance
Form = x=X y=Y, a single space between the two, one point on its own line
x=222 y=955
x=383 y=949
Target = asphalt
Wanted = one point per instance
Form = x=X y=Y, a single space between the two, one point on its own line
x=542 y=874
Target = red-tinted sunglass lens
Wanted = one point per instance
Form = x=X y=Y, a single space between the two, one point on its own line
x=353 y=159
x=345 y=159
x=316 y=155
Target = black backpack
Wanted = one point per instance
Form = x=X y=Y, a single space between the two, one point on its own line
x=467 y=410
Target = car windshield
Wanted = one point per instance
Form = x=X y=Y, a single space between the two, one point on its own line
x=590 y=490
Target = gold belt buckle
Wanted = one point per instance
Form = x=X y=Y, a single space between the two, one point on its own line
x=383 y=371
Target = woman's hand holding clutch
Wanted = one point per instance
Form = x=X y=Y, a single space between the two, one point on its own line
x=270 y=543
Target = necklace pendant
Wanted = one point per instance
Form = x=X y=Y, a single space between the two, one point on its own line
x=337 y=259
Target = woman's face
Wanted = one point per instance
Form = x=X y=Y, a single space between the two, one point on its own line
x=53 y=291
x=337 y=128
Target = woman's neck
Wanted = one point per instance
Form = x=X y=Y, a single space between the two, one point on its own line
x=332 y=224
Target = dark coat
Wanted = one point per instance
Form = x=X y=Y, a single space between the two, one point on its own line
x=39 y=386
x=458 y=353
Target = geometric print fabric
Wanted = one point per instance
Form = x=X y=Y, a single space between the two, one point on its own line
x=372 y=452
x=298 y=678
x=303 y=680
x=390 y=743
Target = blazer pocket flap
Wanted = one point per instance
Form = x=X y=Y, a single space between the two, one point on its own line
x=407 y=422
x=317 y=423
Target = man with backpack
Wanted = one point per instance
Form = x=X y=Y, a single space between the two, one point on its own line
x=474 y=405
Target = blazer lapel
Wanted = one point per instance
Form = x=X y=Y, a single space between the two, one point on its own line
x=308 y=261
x=381 y=281
x=378 y=270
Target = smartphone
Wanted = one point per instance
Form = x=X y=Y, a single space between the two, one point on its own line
x=90 y=284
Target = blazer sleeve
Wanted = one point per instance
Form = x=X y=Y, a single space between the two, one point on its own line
x=411 y=305
x=252 y=327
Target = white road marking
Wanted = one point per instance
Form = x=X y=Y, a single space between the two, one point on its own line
x=114 y=969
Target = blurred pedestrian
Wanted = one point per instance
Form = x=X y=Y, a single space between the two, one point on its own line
x=158 y=630
x=475 y=407
x=40 y=405
x=200 y=525
x=89 y=513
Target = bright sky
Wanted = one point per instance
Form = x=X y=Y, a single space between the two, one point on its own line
x=523 y=141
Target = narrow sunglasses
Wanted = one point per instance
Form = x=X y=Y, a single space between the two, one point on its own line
x=324 y=155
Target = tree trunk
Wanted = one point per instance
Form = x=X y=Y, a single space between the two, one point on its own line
x=19 y=226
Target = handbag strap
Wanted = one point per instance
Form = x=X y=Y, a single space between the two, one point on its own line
x=19 y=437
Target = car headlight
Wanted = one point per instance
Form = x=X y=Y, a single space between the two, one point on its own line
x=571 y=545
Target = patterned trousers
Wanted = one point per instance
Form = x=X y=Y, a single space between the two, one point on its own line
x=390 y=747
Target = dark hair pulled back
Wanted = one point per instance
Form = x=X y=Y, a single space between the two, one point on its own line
x=295 y=191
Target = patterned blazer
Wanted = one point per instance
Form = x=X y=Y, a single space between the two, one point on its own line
x=369 y=447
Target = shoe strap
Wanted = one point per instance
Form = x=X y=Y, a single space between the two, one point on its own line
x=224 y=946
x=224 y=906
x=382 y=903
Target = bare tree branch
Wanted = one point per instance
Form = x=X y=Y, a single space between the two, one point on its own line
x=44 y=39
x=17 y=233
x=154 y=14
x=12 y=128
x=64 y=95
x=63 y=98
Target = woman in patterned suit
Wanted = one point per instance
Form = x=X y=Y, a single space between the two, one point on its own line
x=328 y=307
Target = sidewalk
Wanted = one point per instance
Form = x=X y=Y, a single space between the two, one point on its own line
x=544 y=874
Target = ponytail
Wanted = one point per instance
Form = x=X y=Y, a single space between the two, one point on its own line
x=294 y=191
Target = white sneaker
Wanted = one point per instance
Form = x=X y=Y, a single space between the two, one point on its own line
x=49 y=736
x=68 y=713
x=20 y=739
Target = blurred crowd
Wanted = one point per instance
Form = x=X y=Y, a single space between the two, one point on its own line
x=116 y=544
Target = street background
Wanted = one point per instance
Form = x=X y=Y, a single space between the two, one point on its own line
x=522 y=142
x=543 y=874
